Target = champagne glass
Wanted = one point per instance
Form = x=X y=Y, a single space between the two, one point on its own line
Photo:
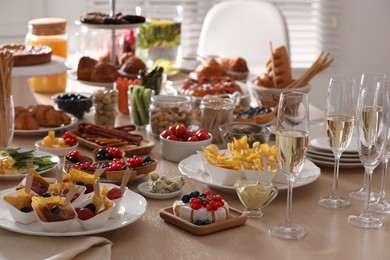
x=382 y=206
x=372 y=126
x=367 y=80
x=292 y=137
x=339 y=129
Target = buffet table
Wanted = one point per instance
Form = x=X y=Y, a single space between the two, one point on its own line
x=329 y=234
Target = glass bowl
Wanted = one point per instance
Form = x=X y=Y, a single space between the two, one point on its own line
x=255 y=195
x=254 y=132
x=76 y=104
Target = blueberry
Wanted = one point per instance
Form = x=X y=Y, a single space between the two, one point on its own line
x=102 y=151
x=25 y=209
x=55 y=209
x=197 y=193
x=91 y=207
x=100 y=156
x=186 y=198
x=108 y=156
x=124 y=167
x=193 y=194
x=46 y=195
x=198 y=222
x=206 y=222
x=148 y=159
x=203 y=195
x=72 y=159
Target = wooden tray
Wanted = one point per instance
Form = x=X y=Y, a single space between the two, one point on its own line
x=235 y=219
x=146 y=146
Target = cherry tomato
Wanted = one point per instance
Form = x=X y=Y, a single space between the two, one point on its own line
x=166 y=133
x=180 y=131
x=202 y=135
x=173 y=138
x=193 y=139
x=85 y=213
x=188 y=134
x=173 y=128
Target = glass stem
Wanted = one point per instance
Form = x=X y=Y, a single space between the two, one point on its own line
x=367 y=202
x=336 y=175
x=364 y=181
x=383 y=179
x=289 y=200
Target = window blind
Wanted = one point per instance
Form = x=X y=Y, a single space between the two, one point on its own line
x=312 y=24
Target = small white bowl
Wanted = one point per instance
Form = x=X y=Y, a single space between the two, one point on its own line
x=143 y=189
x=96 y=222
x=56 y=226
x=176 y=151
x=261 y=176
x=223 y=176
x=118 y=201
x=19 y=216
x=56 y=151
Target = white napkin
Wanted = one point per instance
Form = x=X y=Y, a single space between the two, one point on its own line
x=19 y=246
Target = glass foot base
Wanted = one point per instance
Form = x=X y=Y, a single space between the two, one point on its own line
x=362 y=195
x=288 y=231
x=333 y=202
x=381 y=207
x=365 y=221
x=253 y=213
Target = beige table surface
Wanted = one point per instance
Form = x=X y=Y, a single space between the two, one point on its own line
x=329 y=234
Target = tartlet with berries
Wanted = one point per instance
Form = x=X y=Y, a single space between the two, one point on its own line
x=201 y=209
x=107 y=154
x=79 y=161
x=256 y=115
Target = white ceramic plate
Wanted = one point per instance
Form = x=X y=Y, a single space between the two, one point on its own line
x=321 y=144
x=329 y=154
x=133 y=207
x=73 y=75
x=190 y=167
x=44 y=130
x=19 y=176
x=161 y=196
x=344 y=165
x=331 y=159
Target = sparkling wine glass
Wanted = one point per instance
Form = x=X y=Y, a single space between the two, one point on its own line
x=292 y=137
x=382 y=206
x=367 y=80
x=339 y=123
x=372 y=126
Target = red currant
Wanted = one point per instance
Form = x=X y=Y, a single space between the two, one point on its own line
x=114 y=193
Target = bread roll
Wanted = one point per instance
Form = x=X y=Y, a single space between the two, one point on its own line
x=107 y=58
x=126 y=56
x=104 y=72
x=133 y=65
x=85 y=67
x=209 y=68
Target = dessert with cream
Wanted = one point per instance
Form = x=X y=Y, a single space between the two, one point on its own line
x=201 y=209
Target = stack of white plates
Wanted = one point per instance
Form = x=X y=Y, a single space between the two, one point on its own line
x=319 y=151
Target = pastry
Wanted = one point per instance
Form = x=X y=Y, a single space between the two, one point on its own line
x=133 y=65
x=46 y=115
x=24 y=120
x=104 y=72
x=237 y=69
x=201 y=209
x=209 y=86
x=85 y=67
x=126 y=56
x=107 y=58
x=26 y=55
x=209 y=68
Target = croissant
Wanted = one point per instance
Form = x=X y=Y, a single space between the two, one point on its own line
x=24 y=120
x=46 y=115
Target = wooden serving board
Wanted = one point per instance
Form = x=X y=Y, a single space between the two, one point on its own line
x=146 y=146
x=235 y=219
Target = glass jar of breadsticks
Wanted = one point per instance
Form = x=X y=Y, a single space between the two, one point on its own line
x=215 y=111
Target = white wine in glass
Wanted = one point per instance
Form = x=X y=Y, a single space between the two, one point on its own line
x=339 y=124
x=372 y=128
x=292 y=138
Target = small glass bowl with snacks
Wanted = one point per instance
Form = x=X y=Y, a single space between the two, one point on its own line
x=255 y=195
x=254 y=132
x=76 y=104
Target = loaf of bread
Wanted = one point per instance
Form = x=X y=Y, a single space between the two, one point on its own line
x=47 y=116
x=104 y=72
x=133 y=65
x=279 y=68
x=85 y=67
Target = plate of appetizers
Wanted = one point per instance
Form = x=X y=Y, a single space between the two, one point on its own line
x=43 y=162
x=132 y=208
x=44 y=130
x=191 y=168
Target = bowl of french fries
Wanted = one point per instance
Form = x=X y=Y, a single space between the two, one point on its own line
x=267 y=87
x=226 y=166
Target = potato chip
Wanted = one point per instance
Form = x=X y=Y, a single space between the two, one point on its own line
x=101 y=204
x=76 y=175
x=21 y=200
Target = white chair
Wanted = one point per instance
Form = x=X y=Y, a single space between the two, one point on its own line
x=245 y=29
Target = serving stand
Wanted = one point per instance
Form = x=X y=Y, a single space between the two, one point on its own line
x=21 y=91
